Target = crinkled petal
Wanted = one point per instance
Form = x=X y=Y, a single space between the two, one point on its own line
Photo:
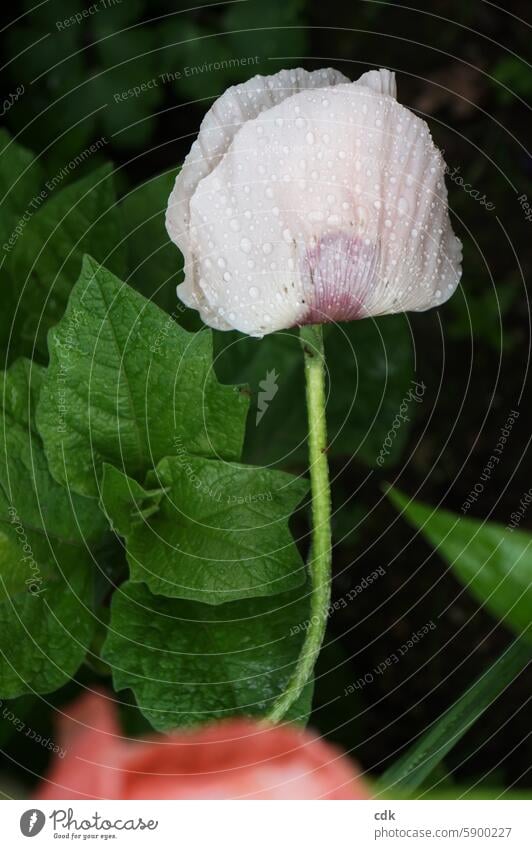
x=381 y=81
x=331 y=203
x=234 y=108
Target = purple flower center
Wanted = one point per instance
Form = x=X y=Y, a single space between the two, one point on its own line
x=337 y=274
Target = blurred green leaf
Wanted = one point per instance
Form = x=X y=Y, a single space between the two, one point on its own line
x=514 y=73
x=266 y=31
x=369 y=366
x=153 y=261
x=409 y=772
x=483 y=316
x=198 y=59
x=21 y=180
x=493 y=562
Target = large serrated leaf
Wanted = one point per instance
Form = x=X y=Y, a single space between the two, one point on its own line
x=80 y=218
x=219 y=532
x=46 y=561
x=189 y=663
x=127 y=386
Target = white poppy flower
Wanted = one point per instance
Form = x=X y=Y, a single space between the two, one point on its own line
x=308 y=198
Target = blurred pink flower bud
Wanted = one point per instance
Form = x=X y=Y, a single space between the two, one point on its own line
x=308 y=198
x=236 y=759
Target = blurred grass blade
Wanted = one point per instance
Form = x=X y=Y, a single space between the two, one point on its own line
x=415 y=766
x=490 y=560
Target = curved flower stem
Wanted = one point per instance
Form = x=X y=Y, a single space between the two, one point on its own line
x=319 y=565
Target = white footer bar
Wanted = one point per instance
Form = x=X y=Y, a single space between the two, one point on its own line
x=268 y=825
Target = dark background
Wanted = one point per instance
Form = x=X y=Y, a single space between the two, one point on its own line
x=459 y=65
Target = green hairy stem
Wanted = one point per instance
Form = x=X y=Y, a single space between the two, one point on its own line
x=320 y=557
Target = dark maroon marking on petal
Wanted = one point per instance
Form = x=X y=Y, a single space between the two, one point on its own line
x=337 y=274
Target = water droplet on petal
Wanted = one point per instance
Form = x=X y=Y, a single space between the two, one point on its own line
x=245 y=245
x=402 y=206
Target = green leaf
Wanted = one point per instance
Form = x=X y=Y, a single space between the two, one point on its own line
x=219 y=533
x=409 y=772
x=154 y=264
x=21 y=181
x=492 y=561
x=370 y=375
x=189 y=663
x=125 y=502
x=69 y=222
x=127 y=386
x=46 y=561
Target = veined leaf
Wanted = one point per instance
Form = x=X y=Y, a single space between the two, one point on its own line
x=46 y=561
x=208 y=531
x=189 y=663
x=46 y=261
x=127 y=386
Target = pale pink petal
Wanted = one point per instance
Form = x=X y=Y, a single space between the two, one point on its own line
x=332 y=203
x=234 y=108
x=381 y=81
